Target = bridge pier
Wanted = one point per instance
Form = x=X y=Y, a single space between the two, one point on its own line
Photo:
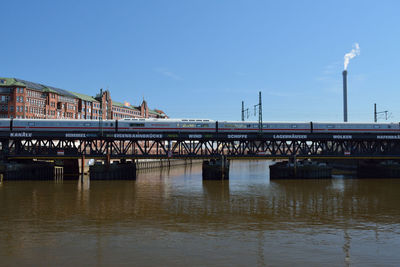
x=71 y=169
x=27 y=170
x=367 y=168
x=124 y=170
x=216 y=169
x=4 y=148
x=305 y=169
x=378 y=169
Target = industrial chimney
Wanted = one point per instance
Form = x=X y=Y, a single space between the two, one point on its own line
x=345 y=95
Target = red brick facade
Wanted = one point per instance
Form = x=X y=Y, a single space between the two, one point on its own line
x=22 y=99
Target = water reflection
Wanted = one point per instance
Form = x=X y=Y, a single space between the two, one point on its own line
x=247 y=209
x=173 y=195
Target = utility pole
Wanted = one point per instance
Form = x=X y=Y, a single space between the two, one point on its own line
x=376 y=113
x=260 y=112
x=244 y=111
x=259 y=105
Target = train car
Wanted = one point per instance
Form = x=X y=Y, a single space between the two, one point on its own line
x=324 y=127
x=191 y=126
x=48 y=125
x=5 y=124
x=267 y=127
x=166 y=125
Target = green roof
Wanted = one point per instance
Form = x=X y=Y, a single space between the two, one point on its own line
x=119 y=104
x=84 y=97
x=46 y=89
x=10 y=82
x=34 y=86
x=155 y=112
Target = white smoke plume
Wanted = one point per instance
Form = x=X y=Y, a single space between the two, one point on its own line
x=354 y=52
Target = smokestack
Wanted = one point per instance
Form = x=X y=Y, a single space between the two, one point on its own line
x=345 y=95
x=353 y=53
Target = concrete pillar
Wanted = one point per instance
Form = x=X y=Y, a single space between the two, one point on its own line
x=299 y=170
x=378 y=169
x=120 y=171
x=216 y=169
x=28 y=170
x=4 y=147
x=71 y=169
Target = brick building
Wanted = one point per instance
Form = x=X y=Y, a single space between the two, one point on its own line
x=24 y=99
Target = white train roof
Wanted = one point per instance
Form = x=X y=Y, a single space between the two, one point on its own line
x=203 y=120
x=169 y=120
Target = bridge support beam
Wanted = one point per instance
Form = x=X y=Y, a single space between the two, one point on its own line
x=216 y=169
x=82 y=168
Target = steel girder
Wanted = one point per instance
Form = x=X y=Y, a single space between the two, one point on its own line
x=135 y=148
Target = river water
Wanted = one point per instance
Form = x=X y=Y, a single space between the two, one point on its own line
x=173 y=218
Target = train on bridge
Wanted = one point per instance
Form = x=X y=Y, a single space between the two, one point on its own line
x=190 y=126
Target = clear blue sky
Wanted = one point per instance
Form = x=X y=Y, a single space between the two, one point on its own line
x=202 y=58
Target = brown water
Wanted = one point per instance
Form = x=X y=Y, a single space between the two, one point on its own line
x=173 y=218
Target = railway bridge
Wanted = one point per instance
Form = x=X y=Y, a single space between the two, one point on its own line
x=178 y=145
x=32 y=148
